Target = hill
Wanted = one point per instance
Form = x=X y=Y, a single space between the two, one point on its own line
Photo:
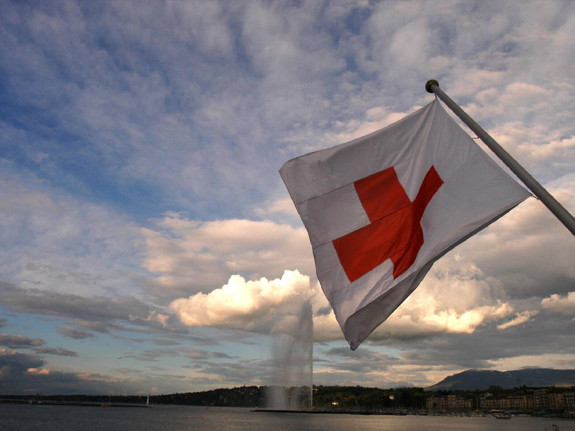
x=532 y=377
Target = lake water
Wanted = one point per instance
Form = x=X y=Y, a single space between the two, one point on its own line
x=179 y=418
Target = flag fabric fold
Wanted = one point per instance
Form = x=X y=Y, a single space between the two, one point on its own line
x=381 y=209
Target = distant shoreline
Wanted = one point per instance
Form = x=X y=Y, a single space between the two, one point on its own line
x=69 y=403
x=357 y=400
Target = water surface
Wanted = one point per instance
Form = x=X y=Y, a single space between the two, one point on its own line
x=180 y=418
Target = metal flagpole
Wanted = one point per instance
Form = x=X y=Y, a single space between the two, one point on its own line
x=432 y=86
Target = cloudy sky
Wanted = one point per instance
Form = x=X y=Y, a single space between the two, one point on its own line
x=148 y=244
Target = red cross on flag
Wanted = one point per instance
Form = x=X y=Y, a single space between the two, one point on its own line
x=381 y=209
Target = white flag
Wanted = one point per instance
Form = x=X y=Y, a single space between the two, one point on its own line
x=381 y=209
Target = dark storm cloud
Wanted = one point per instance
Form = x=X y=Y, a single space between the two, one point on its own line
x=542 y=336
x=19 y=342
x=70 y=305
x=17 y=362
x=56 y=351
x=205 y=355
x=22 y=374
x=76 y=334
x=100 y=314
x=360 y=361
x=239 y=371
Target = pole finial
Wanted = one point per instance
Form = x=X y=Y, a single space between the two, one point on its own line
x=429 y=83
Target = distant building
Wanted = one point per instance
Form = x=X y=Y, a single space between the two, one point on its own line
x=556 y=401
x=540 y=399
x=549 y=399
x=512 y=402
x=569 y=400
x=449 y=403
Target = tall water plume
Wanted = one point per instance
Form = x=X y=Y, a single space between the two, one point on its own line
x=292 y=356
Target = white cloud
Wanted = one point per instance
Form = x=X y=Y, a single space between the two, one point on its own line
x=548 y=360
x=410 y=44
x=376 y=118
x=55 y=242
x=326 y=328
x=528 y=250
x=520 y=319
x=559 y=304
x=538 y=146
x=192 y=256
x=280 y=211
x=453 y=299
x=253 y=305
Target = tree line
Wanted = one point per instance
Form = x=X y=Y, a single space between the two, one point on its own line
x=350 y=398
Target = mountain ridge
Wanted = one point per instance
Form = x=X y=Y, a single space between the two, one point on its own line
x=471 y=380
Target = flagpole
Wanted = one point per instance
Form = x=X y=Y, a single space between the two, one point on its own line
x=432 y=86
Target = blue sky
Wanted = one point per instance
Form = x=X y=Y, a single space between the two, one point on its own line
x=148 y=243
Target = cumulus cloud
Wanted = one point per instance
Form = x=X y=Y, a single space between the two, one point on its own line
x=560 y=304
x=191 y=256
x=454 y=298
x=414 y=321
x=254 y=304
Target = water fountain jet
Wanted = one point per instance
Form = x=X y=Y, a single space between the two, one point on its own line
x=292 y=356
